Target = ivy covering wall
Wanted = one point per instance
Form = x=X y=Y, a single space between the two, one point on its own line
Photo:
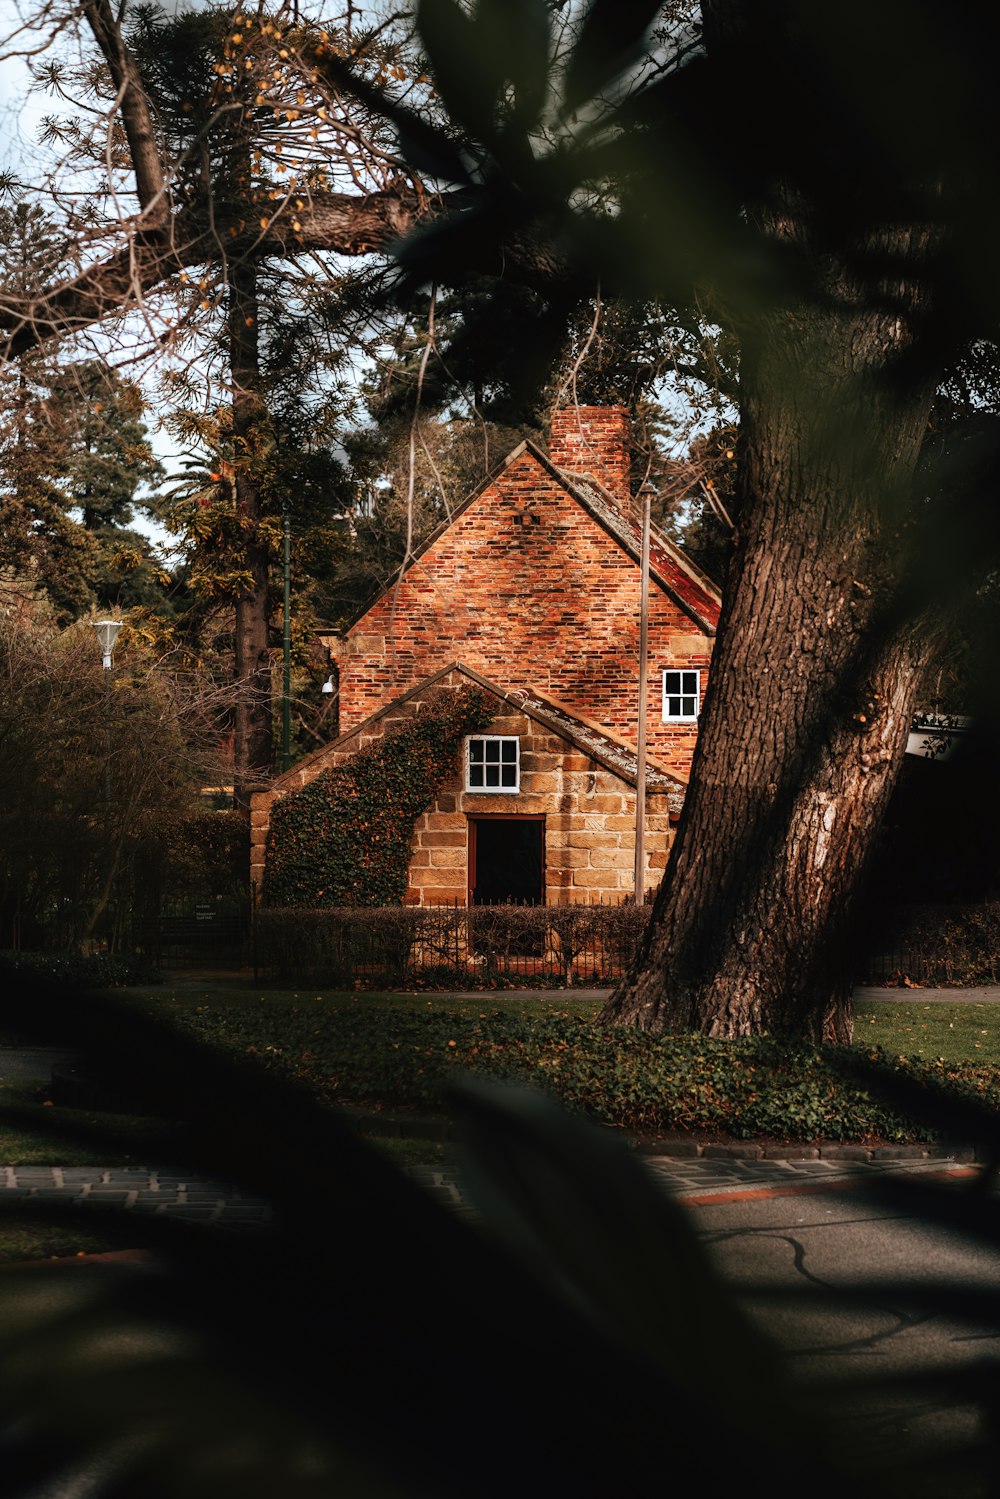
x=344 y=840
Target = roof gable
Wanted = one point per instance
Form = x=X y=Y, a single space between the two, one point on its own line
x=590 y=739
x=674 y=573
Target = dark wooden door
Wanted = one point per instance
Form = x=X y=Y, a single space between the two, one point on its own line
x=508 y=861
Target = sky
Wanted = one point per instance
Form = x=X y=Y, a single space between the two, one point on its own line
x=22 y=111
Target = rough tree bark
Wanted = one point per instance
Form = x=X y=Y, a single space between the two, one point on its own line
x=252 y=726
x=814 y=673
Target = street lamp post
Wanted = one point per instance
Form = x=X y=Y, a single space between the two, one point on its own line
x=107 y=633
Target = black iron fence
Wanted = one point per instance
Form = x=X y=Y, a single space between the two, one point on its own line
x=448 y=945
x=213 y=932
x=494 y=946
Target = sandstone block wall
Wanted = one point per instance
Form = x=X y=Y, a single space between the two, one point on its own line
x=589 y=815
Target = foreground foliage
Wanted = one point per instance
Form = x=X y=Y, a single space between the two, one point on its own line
x=600 y=1298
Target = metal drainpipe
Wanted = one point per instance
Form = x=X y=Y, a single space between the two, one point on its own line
x=640 y=762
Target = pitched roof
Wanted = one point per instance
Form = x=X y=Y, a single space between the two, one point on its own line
x=589 y=739
x=592 y=739
x=684 y=582
x=681 y=578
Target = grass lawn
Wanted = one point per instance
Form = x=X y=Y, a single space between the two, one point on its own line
x=957 y=1032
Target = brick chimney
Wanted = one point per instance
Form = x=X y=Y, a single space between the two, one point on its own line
x=593 y=440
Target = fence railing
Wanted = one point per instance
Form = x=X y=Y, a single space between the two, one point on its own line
x=448 y=945
x=208 y=932
x=494 y=946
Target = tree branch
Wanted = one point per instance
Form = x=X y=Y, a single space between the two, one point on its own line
x=136 y=116
x=340 y=223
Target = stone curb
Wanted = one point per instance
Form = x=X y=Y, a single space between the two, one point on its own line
x=686 y=1147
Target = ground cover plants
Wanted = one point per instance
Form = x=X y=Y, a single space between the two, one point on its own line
x=401 y=1052
x=380 y=1054
x=387 y=1059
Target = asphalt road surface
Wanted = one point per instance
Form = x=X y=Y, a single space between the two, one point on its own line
x=875 y=1301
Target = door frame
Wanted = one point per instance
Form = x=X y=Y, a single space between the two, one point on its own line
x=474 y=817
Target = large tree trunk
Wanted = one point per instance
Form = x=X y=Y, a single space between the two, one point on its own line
x=252 y=737
x=813 y=678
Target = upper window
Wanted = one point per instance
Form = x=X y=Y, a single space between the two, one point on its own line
x=492 y=763
x=681 y=696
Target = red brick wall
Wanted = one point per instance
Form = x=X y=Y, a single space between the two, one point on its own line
x=529 y=589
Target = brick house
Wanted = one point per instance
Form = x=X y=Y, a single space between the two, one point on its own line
x=531 y=592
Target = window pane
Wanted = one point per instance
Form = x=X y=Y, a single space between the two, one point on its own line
x=493 y=763
x=689 y=706
x=673 y=707
x=690 y=681
x=672 y=681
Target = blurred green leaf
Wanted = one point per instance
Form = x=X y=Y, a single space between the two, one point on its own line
x=504 y=41
x=610 y=38
x=469 y=75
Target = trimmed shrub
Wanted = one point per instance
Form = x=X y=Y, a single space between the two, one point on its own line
x=948 y=944
x=447 y=945
x=75 y=971
x=347 y=945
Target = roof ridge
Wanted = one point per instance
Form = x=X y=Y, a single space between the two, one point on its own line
x=572 y=711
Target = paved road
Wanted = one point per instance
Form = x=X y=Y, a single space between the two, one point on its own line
x=846 y=1281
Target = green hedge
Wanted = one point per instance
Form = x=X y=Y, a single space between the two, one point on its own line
x=441 y=946
x=74 y=971
x=661 y=1085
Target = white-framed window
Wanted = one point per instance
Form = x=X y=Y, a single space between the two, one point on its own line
x=493 y=762
x=681 y=696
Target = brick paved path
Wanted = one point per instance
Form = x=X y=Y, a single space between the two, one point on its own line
x=178 y=1194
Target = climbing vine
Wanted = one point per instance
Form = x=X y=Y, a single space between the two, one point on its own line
x=344 y=840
